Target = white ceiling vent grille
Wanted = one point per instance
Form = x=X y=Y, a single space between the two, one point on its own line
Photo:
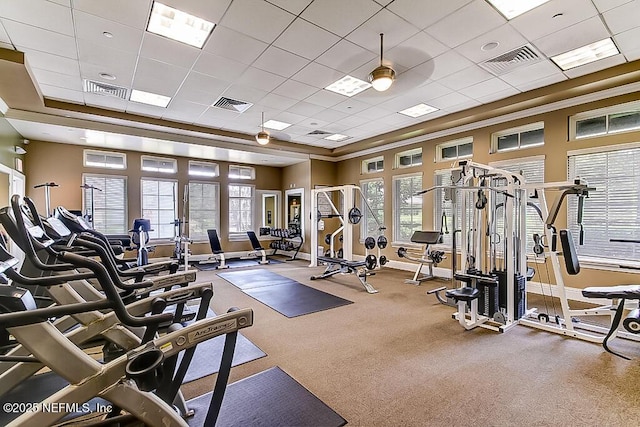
x=509 y=61
x=232 y=104
x=100 y=88
x=319 y=133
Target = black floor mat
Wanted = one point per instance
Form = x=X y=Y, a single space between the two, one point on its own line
x=270 y=398
x=284 y=295
x=233 y=263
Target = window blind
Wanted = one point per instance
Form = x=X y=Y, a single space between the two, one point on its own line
x=110 y=204
x=204 y=200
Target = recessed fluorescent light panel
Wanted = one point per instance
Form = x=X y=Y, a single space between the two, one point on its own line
x=418 y=110
x=177 y=25
x=348 y=86
x=149 y=98
x=510 y=8
x=586 y=54
x=337 y=137
x=274 y=124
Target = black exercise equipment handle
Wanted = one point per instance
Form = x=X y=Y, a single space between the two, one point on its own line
x=46 y=184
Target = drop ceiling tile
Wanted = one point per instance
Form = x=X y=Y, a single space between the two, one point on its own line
x=472 y=20
x=276 y=101
x=329 y=115
x=66 y=3
x=345 y=56
x=383 y=2
x=604 y=5
x=291 y=118
x=105 y=56
x=145 y=109
x=540 y=21
x=305 y=109
x=39 y=39
x=183 y=111
x=168 y=51
x=211 y=11
x=47 y=61
x=62 y=94
x=373 y=113
x=317 y=75
x=425 y=13
x=201 y=89
x=234 y=45
x=572 y=37
x=103 y=101
x=339 y=16
x=280 y=62
x=430 y=90
x=260 y=79
x=611 y=61
x=245 y=93
x=449 y=101
x=90 y=27
x=293 y=6
x=56 y=79
x=39 y=13
x=501 y=94
x=295 y=90
x=623 y=18
x=219 y=66
x=122 y=71
x=538 y=83
x=216 y=117
x=158 y=77
x=442 y=66
x=325 y=98
x=506 y=37
x=419 y=48
x=628 y=44
x=465 y=78
x=463 y=106
x=352 y=121
x=4 y=37
x=132 y=13
x=351 y=106
x=395 y=29
x=485 y=88
x=306 y=39
x=257 y=19
x=535 y=71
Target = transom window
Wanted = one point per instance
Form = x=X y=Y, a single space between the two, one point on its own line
x=104 y=159
x=373 y=165
x=619 y=118
x=517 y=138
x=160 y=206
x=203 y=169
x=109 y=202
x=159 y=164
x=407 y=206
x=458 y=149
x=241 y=172
x=409 y=158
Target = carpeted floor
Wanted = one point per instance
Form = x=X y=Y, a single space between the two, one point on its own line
x=396 y=358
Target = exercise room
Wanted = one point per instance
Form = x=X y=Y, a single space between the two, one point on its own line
x=319 y=213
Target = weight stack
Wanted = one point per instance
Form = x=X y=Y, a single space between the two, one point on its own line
x=488 y=300
x=519 y=283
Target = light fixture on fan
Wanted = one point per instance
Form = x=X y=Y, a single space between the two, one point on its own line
x=382 y=77
x=262 y=137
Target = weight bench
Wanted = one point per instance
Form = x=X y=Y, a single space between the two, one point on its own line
x=216 y=250
x=258 y=250
x=340 y=265
x=622 y=293
x=427 y=257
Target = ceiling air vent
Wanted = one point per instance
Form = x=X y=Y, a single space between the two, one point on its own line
x=319 y=132
x=509 y=61
x=100 y=88
x=232 y=104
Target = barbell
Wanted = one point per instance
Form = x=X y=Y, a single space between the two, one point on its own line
x=353 y=217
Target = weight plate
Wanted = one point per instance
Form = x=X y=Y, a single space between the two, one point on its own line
x=355 y=215
x=327 y=239
x=382 y=242
x=371 y=261
x=369 y=242
x=382 y=260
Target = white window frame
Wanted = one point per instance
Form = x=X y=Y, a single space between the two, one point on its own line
x=242 y=234
x=105 y=154
x=519 y=130
x=215 y=210
x=411 y=153
x=627 y=107
x=364 y=232
x=614 y=261
x=438 y=201
x=239 y=175
x=396 y=208
x=152 y=234
x=366 y=163
x=204 y=165
x=455 y=143
x=159 y=160
x=103 y=192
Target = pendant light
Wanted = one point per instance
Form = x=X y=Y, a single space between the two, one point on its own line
x=262 y=137
x=382 y=77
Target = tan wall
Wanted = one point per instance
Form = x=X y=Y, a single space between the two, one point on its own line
x=9 y=139
x=298 y=176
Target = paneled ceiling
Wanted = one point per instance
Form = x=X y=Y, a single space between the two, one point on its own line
x=280 y=55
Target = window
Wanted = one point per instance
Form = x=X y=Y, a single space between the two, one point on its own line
x=159 y=164
x=532 y=168
x=109 y=202
x=104 y=159
x=409 y=158
x=452 y=150
x=160 y=206
x=612 y=211
x=373 y=193
x=407 y=212
x=373 y=165
x=517 y=138
x=204 y=208
x=620 y=118
x=203 y=169
x=240 y=208
x=443 y=206
x=242 y=172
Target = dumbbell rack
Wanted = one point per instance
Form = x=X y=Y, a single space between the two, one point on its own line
x=288 y=241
